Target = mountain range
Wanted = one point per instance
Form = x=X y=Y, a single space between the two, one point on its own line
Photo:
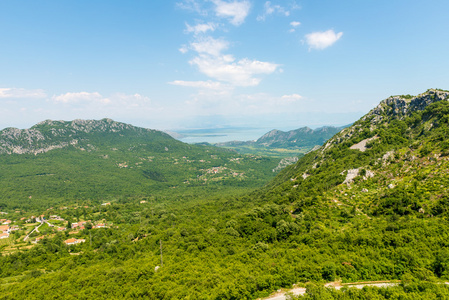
x=104 y=159
x=284 y=144
x=370 y=204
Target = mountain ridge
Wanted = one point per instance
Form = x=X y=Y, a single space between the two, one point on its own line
x=279 y=143
x=49 y=135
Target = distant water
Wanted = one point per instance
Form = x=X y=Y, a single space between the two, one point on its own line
x=220 y=135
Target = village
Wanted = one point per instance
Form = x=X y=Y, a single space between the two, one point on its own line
x=23 y=232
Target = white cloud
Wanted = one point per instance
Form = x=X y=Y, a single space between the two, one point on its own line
x=210 y=46
x=116 y=100
x=236 y=11
x=183 y=49
x=270 y=9
x=201 y=28
x=291 y=98
x=238 y=73
x=129 y=101
x=199 y=84
x=322 y=40
x=294 y=24
x=80 y=97
x=21 y=93
x=191 y=5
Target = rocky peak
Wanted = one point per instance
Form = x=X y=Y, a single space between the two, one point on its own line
x=402 y=106
x=50 y=134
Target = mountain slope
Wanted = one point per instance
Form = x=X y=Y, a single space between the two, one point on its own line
x=79 y=134
x=88 y=159
x=281 y=143
x=302 y=137
x=370 y=204
x=398 y=127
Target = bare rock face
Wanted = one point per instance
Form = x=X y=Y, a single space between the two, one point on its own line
x=49 y=135
x=402 y=106
x=285 y=162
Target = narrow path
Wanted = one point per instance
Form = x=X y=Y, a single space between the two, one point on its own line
x=35 y=229
x=337 y=285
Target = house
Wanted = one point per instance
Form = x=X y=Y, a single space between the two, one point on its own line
x=38 y=239
x=74 y=241
x=107 y=203
x=7 y=222
x=60 y=228
x=14 y=228
x=56 y=217
x=4 y=228
x=101 y=225
x=4 y=235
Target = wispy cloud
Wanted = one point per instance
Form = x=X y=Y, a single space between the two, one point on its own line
x=191 y=5
x=270 y=9
x=114 y=100
x=201 y=28
x=238 y=73
x=291 y=98
x=322 y=40
x=80 y=97
x=21 y=93
x=294 y=24
x=199 y=84
x=235 y=11
x=209 y=45
x=212 y=62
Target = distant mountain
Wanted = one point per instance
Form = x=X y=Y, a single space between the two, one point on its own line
x=298 y=138
x=103 y=159
x=275 y=142
x=78 y=134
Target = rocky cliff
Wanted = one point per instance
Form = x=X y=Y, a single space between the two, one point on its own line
x=49 y=135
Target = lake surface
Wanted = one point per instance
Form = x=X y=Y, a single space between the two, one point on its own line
x=219 y=135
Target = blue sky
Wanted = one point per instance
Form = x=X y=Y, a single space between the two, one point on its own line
x=216 y=63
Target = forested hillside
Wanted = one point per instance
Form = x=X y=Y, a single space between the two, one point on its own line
x=279 y=143
x=58 y=163
x=370 y=204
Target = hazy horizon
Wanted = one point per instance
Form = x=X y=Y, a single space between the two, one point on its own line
x=211 y=63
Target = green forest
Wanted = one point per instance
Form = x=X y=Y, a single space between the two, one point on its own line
x=372 y=204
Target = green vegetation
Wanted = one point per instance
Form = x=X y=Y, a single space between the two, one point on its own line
x=278 y=143
x=370 y=205
x=115 y=161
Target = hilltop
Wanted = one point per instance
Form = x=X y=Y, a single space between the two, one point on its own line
x=285 y=143
x=83 y=135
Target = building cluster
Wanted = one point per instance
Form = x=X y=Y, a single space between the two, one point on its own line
x=74 y=241
x=5 y=228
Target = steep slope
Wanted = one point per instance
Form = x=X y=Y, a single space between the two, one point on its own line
x=400 y=128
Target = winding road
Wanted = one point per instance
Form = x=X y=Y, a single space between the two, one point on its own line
x=337 y=285
x=35 y=229
x=359 y=285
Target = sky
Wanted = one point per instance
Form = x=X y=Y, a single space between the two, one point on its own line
x=192 y=64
